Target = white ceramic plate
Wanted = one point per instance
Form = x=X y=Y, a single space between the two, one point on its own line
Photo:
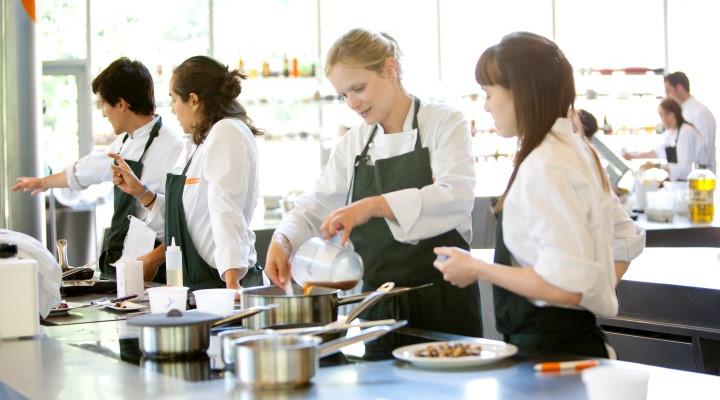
x=62 y=311
x=128 y=306
x=492 y=351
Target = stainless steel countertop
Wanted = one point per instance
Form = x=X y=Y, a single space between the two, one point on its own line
x=51 y=367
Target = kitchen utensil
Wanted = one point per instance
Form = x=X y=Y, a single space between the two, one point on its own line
x=228 y=338
x=316 y=308
x=492 y=350
x=77 y=273
x=248 y=312
x=286 y=361
x=165 y=298
x=174 y=334
x=125 y=306
x=327 y=263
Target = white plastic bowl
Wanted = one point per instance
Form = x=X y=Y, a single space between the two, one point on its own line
x=165 y=298
x=215 y=301
x=606 y=383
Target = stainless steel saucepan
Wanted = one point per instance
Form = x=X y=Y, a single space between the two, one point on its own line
x=320 y=307
x=285 y=361
x=181 y=334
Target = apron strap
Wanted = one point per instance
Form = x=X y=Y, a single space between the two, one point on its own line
x=154 y=132
x=677 y=135
x=184 y=171
x=364 y=156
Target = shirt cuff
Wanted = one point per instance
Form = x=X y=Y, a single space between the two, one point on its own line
x=228 y=257
x=571 y=273
x=628 y=248
x=406 y=205
x=156 y=217
x=72 y=181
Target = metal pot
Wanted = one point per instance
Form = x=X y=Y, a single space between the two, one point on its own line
x=324 y=332
x=177 y=334
x=286 y=361
x=317 y=308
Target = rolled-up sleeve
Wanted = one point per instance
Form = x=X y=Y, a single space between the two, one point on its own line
x=227 y=170
x=91 y=169
x=448 y=201
x=156 y=217
x=628 y=237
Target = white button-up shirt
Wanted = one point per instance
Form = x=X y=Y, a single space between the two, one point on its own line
x=422 y=213
x=94 y=168
x=221 y=191
x=558 y=220
x=699 y=115
x=691 y=148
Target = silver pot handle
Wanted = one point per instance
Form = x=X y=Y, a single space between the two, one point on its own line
x=365 y=335
x=248 y=312
x=398 y=290
x=370 y=301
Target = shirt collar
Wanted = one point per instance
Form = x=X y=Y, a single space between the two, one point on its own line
x=562 y=127
x=143 y=131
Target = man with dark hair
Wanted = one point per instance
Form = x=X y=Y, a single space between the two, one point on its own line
x=124 y=94
x=677 y=86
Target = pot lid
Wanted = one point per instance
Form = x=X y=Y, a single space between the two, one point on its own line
x=174 y=318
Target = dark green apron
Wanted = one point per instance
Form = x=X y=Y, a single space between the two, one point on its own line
x=124 y=206
x=442 y=307
x=197 y=274
x=543 y=330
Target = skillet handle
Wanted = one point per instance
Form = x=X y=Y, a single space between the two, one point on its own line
x=248 y=312
x=370 y=301
x=365 y=335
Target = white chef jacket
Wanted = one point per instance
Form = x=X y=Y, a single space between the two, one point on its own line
x=220 y=196
x=556 y=220
x=420 y=213
x=160 y=157
x=699 y=115
x=691 y=148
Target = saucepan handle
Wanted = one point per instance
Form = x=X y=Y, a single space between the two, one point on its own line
x=365 y=335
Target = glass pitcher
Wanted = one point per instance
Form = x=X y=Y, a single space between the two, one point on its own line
x=326 y=263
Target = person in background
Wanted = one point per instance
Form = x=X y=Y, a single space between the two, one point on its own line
x=397 y=185
x=558 y=255
x=212 y=191
x=682 y=144
x=126 y=98
x=677 y=86
x=584 y=123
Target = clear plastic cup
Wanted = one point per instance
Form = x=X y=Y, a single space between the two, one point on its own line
x=326 y=263
x=610 y=383
x=165 y=298
x=215 y=301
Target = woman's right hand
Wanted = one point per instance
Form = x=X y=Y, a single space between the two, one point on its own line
x=124 y=178
x=277 y=263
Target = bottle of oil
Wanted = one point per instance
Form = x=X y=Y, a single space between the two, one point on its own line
x=701 y=183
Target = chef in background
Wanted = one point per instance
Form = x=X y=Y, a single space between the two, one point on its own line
x=126 y=98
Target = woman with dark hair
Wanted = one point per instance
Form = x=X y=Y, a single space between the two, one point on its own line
x=682 y=146
x=556 y=263
x=211 y=193
x=584 y=123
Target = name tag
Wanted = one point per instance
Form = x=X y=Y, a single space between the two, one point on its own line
x=192 y=181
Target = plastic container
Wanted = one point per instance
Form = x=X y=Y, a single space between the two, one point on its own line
x=165 y=298
x=328 y=264
x=701 y=185
x=173 y=264
x=19 y=294
x=660 y=206
x=129 y=278
x=215 y=301
x=610 y=383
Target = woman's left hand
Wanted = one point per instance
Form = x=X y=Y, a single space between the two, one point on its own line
x=457 y=266
x=345 y=219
